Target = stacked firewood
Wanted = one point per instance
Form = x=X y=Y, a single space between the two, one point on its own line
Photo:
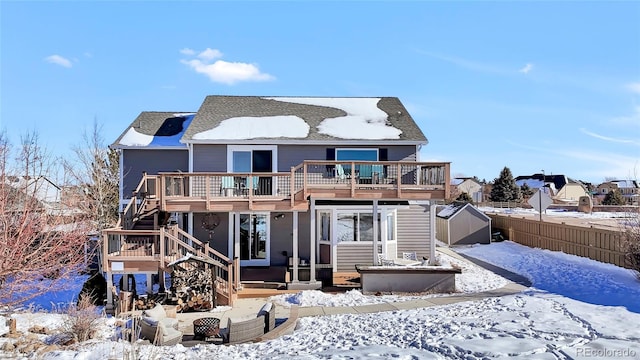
x=192 y=289
x=193 y=301
x=149 y=301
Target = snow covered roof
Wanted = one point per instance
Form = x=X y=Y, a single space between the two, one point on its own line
x=454 y=208
x=155 y=130
x=626 y=184
x=255 y=119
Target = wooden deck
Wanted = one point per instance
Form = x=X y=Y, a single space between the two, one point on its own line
x=288 y=191
x=346 y=279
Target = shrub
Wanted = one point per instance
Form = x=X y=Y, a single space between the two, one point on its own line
x=82 y=319
x=631 y=242
x=464 y=197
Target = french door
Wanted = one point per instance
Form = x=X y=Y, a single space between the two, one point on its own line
x=252 y=235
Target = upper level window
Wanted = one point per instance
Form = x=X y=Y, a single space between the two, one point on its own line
x=357 y=154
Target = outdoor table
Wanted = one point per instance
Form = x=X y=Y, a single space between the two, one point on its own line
x=207 y=327
x=406 y=262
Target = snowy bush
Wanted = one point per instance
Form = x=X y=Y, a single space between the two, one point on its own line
x=631 y=242
x=82 y=321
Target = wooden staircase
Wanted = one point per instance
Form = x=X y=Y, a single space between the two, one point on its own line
x=142 y=232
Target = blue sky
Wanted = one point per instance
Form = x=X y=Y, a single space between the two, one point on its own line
x=528 y=85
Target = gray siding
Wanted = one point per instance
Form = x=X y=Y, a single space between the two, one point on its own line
x=220 y=236
x=282 y=237
x=293 y=155
x=136 y=161
x=211 y=158
x=401 y=153
x=442 y=232
x=469 y=227
x=350 y=254
x=413 y=230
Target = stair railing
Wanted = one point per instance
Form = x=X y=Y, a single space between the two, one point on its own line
x=177 y=243
x=134 y=210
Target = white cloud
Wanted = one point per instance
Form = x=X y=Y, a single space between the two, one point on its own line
x=634 y=87
x=465 y=63
x=187 y=51
x=526 y=68
x=210 y=54
x=607 y=138
x=632 y=120
x=59 y=60
x=222 y=71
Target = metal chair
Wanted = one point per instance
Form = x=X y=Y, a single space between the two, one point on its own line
x=410 y=256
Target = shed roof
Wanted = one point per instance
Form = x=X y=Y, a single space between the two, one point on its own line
x=455 y=208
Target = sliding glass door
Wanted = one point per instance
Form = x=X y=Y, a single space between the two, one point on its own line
x=253 y=159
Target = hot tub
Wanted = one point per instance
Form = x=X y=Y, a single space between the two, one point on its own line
x=407 y=279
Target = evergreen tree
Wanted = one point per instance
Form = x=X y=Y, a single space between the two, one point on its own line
x=526 y=191
x=464 y=197
x=505 y=188
x=614 y=197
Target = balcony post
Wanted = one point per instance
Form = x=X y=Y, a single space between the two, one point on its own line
x=163 y=205
x=292 y=184
x=162 y=247
x=399 y=179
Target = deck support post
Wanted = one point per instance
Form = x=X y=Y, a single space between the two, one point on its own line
x=149 y=284
x=312 y=240
x=295 y=255
x=375 y=232
x=109 y=308
x=432 y=232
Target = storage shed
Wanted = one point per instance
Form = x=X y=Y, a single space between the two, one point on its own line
x=462 y=224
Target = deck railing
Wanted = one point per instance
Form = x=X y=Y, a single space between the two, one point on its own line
x=165 y=246
x=303 y=179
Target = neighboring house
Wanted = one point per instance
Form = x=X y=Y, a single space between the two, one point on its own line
x=328 y=182
x=467 y=185
x=628 y=188
x=560 y=188
x=40 y=189
x=462 y=224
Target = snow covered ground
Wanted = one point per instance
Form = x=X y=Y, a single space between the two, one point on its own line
x=568 y=275
x=541 y=323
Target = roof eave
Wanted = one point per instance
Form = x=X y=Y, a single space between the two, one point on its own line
x=306 y=142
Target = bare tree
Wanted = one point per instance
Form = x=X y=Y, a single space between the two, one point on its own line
x=631 y=241
x=96 y=175
x=41 y=241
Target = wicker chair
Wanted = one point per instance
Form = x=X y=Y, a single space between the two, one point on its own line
x=159 y=333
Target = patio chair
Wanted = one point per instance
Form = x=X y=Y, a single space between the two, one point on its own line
x=365 y=172
x=383 y=261
x=228 y=185
x=159 y=333
x=410 y=256
x=340 y=175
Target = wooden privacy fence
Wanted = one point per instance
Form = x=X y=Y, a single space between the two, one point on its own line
x=593 y=243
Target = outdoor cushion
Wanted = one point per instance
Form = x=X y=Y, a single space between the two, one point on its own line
x=157 y=312
x=168 y=335
x=149 y=320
